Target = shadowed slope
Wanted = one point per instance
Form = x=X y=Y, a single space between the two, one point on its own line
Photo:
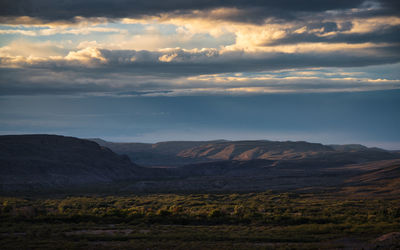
x=58 y=161
x=382 y=178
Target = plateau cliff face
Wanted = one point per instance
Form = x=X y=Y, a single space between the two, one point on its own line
x=42 y=161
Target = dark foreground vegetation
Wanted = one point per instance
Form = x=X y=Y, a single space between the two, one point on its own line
x=264 y=220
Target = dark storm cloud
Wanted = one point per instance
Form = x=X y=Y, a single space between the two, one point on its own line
x=212 y=61
x=178 y=62
x=391 y=4
x=252 y=10
x=327 y=27
x=147 y=74
x=70 y=84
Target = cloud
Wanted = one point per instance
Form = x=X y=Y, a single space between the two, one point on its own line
x=121 y=83
x=170 y=47
x=385 y=35
x=272 y=36
x=254 y=11
x=86 y=55
x=207 y=61
x=54 y=31
x=20 y=32
x=25 y=49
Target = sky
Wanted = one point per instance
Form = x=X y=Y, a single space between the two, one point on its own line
x=321 y=71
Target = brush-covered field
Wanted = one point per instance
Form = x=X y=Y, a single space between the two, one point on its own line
x=264 y=220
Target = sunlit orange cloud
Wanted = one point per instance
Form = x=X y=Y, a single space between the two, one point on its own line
x=299 y=77
x=249 y=37
x=86 y=55
x=256 y=37
x=39 y=54
x=27 y=21
x=374 y=23
x=305 y=47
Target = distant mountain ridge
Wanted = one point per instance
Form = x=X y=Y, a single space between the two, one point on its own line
x=178 y=153
x=51 y=162
x=157 y=154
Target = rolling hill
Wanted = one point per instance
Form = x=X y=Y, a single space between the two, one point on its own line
x=380 y=178
x=178 y=153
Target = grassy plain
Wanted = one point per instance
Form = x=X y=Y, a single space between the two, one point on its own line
x=265 y=220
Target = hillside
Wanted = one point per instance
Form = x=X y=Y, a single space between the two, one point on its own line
x=157 y=154
x=179 y=153
x=50 y=161
x=380 y=178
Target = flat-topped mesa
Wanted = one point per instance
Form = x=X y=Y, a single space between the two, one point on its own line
x=59 y=161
